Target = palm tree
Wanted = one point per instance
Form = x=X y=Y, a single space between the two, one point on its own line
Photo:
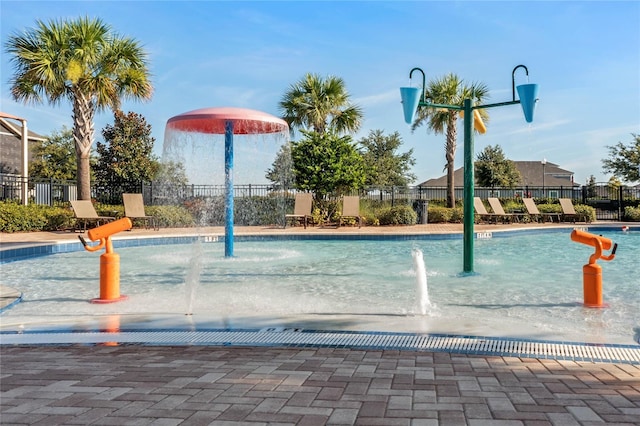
x=84 y=62
x=318 y=104
x=449 y=90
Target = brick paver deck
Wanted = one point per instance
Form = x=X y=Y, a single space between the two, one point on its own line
x=198 y=385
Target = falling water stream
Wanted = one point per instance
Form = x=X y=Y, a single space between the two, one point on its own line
x=422 y=291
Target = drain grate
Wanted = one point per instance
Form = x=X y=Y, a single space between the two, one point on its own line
x=356 y=340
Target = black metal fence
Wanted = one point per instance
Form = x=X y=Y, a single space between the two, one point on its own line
x=609 y=201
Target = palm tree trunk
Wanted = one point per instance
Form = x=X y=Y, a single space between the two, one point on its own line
x=450 y=151
x=83 y=113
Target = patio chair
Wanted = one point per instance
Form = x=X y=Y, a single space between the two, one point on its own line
x=351 y=208
x=134 y=209
x=301 y=209
x=497 y=208
x=568 y=211
x=85 y=214
x=481 y=211
x=535 y=214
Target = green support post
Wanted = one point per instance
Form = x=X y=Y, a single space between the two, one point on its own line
x=469 y=185
x=414 y=96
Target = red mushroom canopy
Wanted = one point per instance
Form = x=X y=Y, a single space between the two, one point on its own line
x=213 y=120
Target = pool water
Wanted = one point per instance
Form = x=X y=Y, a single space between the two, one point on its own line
x=526 y=286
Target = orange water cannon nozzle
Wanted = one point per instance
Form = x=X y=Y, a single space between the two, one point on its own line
x=109 y=261
x=109 y=229
x=599 y=242
x=592 y=272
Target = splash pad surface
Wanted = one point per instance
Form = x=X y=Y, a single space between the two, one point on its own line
x=342 y=285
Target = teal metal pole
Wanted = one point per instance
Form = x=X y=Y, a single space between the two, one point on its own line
x=228 y=181
x=468 y=188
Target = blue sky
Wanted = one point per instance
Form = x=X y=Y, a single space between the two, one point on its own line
x=585 y=55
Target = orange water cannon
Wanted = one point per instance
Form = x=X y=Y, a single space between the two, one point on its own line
x=109 y=261
x=592 y=272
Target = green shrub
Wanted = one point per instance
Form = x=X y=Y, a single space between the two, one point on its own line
x=171 y=216
x=512 y=206
x=398 y=215
x=457 y=214
x=585 y=213
x=549 y=208
x=632 y=214
x=439 y=214
x=15 y=217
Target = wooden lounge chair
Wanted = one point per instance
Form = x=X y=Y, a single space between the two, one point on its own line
x=301 y=209
x=351 y=208
x=134 y=209
x=86 y=215
x=497 y=208
x=535 y=214
x=481 y=211
x=568 y=211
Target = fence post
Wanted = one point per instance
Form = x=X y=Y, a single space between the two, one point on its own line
x=620 y=201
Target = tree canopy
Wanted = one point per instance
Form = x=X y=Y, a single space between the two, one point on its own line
x=384 y=167
x=126 y=156
x=492 y=168
x=320 y=105
x=624 y=161
x=54 y=158
x=281 y=171
x=327 y=164
x=82 y=61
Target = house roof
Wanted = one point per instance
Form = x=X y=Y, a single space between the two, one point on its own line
x=531 y=173
x=11 y=143
x=11 y=128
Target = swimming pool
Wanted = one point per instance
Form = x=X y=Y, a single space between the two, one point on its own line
x=527 y=285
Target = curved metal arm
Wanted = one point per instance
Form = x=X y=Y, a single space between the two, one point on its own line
x=87 y=247
x=423 y=81
x=513 y=80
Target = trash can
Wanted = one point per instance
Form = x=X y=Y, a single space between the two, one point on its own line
x=421 y=207
x=425 y=211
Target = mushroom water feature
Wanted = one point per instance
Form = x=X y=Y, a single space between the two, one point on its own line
x=229 y=121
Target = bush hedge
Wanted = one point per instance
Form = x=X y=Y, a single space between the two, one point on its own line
x=632 y=214
x=397 y=215
x=15 y=217
x=252 y=211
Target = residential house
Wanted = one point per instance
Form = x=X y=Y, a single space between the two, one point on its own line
x=11 y=143
x=538 y=179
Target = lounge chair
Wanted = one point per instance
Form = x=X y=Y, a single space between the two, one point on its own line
x=535 y=214
x=86 y=215
x=134 y=209
x=301 y=209
x=568 y=211
x=497 y=208
x=351 y=208
x=481 y=211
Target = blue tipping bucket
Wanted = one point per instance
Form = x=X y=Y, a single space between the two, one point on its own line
x=528 y=94
x=410 y=100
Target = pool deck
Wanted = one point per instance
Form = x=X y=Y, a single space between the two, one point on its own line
x=227 y=385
